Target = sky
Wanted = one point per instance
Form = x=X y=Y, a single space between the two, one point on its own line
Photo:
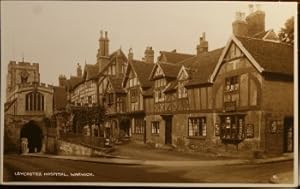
x=60 y=34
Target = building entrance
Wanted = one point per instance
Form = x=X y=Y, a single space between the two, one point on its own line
x=34 y=136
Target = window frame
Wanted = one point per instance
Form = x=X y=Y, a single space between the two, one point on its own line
x=155 y=127
x=199 y=124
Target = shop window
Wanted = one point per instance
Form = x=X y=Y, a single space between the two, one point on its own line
x=217 y=129
x=232 y=84
x=197 y=126
x=250 y=131
x=274 y=126
x=155 y=127
x=232 y=127
x=138 y=126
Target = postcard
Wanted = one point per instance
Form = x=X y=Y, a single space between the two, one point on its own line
x=149 y=93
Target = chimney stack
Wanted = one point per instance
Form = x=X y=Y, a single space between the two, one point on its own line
x=79 y=70
x=130 y=55
x=203 y=45
x=255 y=20
x=61 y=80
x=240 y=26
x=149 y=55
x=103 y=44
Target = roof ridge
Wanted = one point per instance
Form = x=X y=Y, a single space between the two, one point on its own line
x=268 y=41
x=177 y=53
x=169 y=63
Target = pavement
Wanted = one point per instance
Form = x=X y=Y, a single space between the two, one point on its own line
x=140 y=154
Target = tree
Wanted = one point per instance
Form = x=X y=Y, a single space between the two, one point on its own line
x=286 y=33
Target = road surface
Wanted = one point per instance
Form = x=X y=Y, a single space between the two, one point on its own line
x=21 y=168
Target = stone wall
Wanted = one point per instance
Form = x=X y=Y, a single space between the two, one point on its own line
x=71 y=149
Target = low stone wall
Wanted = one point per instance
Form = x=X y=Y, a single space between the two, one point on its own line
x=67 y=148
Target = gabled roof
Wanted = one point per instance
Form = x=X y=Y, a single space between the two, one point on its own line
x=271 y=56
x=173 y=56
x=142 y=70
x=170 y=70
x=90 y=71
x=201 y=66
x=116 y=84
x=113 y=56
x=266 y=56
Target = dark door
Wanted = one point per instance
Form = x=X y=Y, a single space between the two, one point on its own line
x=288 y=134
x=168 y=132
x=145 y=132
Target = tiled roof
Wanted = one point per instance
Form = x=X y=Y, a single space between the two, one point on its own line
x=265 y=35
x=260 y=35
x=201 y=66
x=175 y=57
x=169 y=69
x=116 y=84
x=148 y=92
x=273 y=57
x=112 y=57
x=143 y=70
x=91 y=71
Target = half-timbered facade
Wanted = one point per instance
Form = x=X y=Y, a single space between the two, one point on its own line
x=137 y=87
x=111 y=94
x=250 y=81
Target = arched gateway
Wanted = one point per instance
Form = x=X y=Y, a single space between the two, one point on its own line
x=34 y=135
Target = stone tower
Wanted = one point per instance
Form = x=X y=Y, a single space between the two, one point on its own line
x=21 y=73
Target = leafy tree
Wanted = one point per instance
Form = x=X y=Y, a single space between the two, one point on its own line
x=286 y=33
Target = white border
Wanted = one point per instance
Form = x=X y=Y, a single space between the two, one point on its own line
x=178 y=184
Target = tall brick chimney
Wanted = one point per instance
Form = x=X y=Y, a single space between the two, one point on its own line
x=203 y=45
x=149 y=55
x=255 y=20
x=239 y=25
x=103 y=44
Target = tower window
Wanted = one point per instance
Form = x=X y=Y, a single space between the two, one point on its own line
x=34 y=101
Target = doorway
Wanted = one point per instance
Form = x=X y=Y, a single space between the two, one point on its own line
x=288 y=134
x=168 y=131
x=34 y=136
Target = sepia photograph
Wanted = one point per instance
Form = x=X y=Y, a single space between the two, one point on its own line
x=149 y=93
